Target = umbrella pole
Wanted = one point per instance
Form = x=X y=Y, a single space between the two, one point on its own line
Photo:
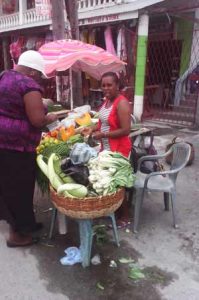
x=58 y=88
x=71 y=89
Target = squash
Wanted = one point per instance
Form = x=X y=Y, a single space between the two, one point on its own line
x=84 y=120
x=66 y=133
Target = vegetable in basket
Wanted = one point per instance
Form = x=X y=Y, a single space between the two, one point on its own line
x=68 y=189
x=53 y=168
x=109 y=171
x=79 y=173
x=73 y=190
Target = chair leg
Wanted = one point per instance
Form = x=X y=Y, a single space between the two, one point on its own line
x=129 y=195
x=115 y=232
x=166 y=201
x=139 y=196
x=52 y=223
x=173 y=204
x=86 y=240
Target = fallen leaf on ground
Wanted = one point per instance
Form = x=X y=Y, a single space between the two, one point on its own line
x=124 y=260
x=136 y=274
x=100 y=286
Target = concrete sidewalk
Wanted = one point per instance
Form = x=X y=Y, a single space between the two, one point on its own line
x=169 y=257
x=160 y=245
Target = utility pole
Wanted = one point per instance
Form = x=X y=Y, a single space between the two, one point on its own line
x=58 y=26
x=58 y=22
x=72 y=13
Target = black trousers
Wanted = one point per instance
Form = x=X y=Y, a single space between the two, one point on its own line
x=17 y=182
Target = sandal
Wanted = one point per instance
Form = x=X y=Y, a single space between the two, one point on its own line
x=120 y=224
x=12 y=244
x=123 y=224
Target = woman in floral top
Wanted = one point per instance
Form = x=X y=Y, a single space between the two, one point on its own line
x=22 y=117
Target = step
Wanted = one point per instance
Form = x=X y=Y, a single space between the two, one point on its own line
x=176 y=116
x=188 y=103
x=182 y=108
x=173 y=122
x=191 y=96
x=173 y=119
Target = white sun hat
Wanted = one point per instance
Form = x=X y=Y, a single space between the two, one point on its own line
x=33 y=60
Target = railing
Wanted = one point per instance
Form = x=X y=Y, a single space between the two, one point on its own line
x=9 y=21
x=29 y=18
x=94 y=4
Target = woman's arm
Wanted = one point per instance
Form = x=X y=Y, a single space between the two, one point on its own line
x=124 y=115
x=35 y=110
x=89 y=130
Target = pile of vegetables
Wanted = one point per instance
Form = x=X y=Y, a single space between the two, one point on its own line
x=109 y=171
x=60 y=148
x=100 y=176
x=105 y=174
x=63 y=184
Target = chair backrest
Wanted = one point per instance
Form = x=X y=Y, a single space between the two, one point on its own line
x=133 y=120
x=181 y=153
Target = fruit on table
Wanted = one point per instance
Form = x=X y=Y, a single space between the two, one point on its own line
x=84 y=120
x=66 y=133
x=46 y=142
x=54 y=133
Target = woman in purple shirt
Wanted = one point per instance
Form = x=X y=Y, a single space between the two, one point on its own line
x=22 y=117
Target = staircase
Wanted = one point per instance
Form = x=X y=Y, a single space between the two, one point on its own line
x=184 y=114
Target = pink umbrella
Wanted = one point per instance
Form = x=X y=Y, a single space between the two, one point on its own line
x=64 y=54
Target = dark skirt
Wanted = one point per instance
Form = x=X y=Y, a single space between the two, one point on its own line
x=17 y=182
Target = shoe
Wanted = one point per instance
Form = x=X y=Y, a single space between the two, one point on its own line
x=38 y=226
x=23 y=243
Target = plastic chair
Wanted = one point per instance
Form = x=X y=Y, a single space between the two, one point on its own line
x=161 y=181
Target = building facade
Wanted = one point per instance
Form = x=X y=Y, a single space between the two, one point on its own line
x=157 y=39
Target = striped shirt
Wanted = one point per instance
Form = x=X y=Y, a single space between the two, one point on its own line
x=105 y=127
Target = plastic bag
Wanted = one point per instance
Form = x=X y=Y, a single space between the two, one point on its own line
x=142 y=149
x=81 y=153
x=170 y=156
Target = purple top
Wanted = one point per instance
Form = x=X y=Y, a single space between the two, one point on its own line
x=16 y=131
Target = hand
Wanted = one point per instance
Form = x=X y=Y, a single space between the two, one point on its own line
x=87 y=131
x=51 y=117
x=98 y=135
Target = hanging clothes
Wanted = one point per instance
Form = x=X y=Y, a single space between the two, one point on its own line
x=48 y=37
x=16 y=48
x=39 y=42
x=30 y=43
x=121 y=44
x=9 y=6
x=84 y=36
x=91 y=37
x=109 y=41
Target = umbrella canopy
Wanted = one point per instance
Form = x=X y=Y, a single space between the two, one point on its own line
x=61 y=55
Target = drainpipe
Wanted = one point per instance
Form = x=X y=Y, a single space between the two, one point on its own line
x=143 y=28
x=22 y=9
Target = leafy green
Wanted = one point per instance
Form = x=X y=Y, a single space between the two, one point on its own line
x=124 y=260
x=100 y=233
x=136 y=274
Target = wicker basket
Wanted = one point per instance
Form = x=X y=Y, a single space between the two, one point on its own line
x=89 y=207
